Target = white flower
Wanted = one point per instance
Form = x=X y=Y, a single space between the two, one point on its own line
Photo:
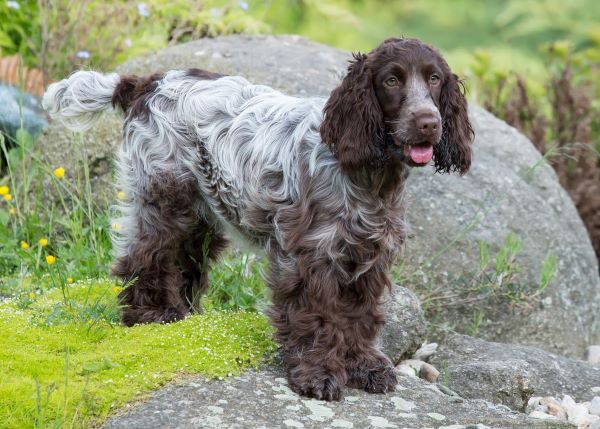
x=83 y=55
x=243 y=4
x=13 y=4
x=143 y=10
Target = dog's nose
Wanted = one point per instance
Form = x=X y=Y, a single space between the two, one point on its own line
x=427 y=123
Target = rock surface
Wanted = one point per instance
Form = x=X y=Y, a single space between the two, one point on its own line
x=405 y=329
x=10 y=114
x=509 y=189
x=510 y=374
x=263 y=400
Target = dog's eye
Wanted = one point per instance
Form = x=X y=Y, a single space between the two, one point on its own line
x=434 y=79
x=392 y=81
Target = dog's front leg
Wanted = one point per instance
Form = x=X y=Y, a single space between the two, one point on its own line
x=368 y=367
x=308 y=326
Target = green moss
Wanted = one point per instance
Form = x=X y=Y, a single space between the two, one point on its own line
x=71 y=371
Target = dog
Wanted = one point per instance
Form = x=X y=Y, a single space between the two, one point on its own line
x=317 y=183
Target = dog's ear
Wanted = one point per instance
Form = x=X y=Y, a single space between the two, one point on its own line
x=353 y=119
x=453 y=153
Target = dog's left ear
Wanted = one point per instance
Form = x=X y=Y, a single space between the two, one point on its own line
x=353 y=120
x=453 y=153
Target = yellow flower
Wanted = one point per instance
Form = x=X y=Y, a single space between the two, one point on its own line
x=69 y=280
x=8 y=197
x=4 y=190
x=121 y=195
x=24 y=245
x=50 y=259
x=31 y=295
x=116 y=289
x=90 y=322
x=43 y=242
x=59 y=172
x=12 y=210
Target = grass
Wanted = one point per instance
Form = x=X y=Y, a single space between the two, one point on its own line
x=64 y=371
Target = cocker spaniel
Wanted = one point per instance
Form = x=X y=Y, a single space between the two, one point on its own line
x=316 y=182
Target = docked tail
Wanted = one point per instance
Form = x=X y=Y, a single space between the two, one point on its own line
x=79 y=100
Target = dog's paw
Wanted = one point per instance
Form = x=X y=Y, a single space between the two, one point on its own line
x=324 y=388
x=381 y=380
x=141 y=315
x=375 y=379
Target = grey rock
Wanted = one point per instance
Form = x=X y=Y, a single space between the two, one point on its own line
x=509 y=189
x=595 y=406
x=405 y=328
x=510 y=374
x=592 y=355
x=10 y=113
x=263 y=400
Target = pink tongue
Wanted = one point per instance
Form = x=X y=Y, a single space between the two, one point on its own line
x=421 y=154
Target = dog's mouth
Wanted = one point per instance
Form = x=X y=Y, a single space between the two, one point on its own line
x=420 y=153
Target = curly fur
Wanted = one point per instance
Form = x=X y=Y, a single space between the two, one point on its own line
x=205 y=157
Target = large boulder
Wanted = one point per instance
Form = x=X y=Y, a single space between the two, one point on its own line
x=264 y=400
x=455 y=220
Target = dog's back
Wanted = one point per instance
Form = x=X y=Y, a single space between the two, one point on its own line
x=239 y=142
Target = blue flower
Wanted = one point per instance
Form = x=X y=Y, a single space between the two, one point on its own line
x=244 y=4
x=143 y=10
x=13 y=4
x=83 y=55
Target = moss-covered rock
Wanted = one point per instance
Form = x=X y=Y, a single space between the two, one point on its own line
x=66 y=364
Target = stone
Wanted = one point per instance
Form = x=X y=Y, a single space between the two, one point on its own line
x=509 y=373
x=10 y=114
x=510 y=189
x=592 y=355
x=595 y=406
x=415 y=405
x=405 y=329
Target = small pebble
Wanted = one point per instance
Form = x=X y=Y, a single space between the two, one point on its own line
x=592 y=355
x=437 y=416
x=429 y=373
x=577 y=414
x=540 y=415
x=425 y=351
x=406 y=370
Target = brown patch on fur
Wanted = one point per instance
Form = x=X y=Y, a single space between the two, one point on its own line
x=203 y=74
x=132 y=92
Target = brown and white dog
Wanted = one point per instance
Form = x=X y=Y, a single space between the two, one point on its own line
x=316 y=182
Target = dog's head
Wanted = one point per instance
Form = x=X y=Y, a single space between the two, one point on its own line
x=401 y=102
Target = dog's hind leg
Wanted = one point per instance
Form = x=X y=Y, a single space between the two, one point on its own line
x=195 y=257
x=155 y=222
